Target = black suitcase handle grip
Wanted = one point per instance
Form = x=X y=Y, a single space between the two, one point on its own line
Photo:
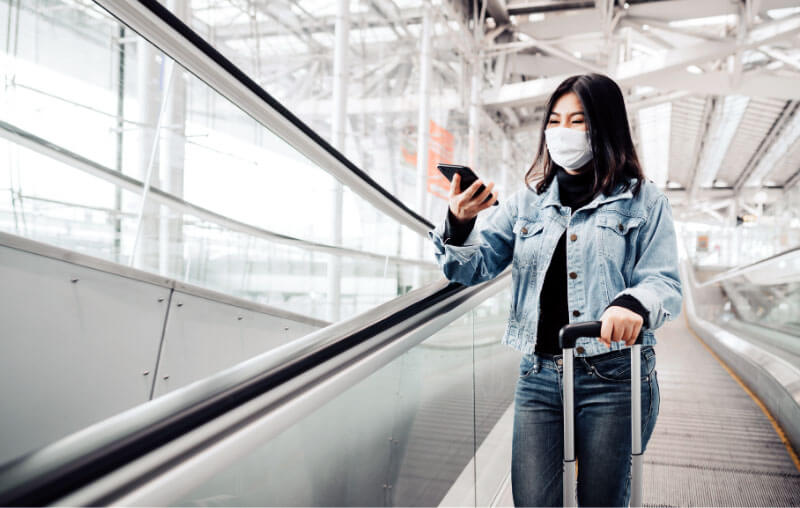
x=571 y=332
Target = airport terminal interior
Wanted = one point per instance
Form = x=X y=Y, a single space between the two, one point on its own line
x=217 y=284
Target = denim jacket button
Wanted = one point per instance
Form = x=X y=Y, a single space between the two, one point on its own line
x=573 y=275
x=576 y=313
x=573 y=237
x=580 y=350
x=524 y=230
x=619 y=226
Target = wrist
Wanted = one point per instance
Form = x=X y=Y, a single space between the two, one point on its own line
x=456 y=219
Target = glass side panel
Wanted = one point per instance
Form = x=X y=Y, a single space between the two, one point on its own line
x=401 y=437
x=753 y=234
x=496 y=373
x=768 y=294
x=79 y=83
x=90 y=114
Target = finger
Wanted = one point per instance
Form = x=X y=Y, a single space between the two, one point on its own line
x=486 y=191
x=637 y=328
x=455 y=184
x=618 y=330
x=605 y=331
x=471 y=189
x=489 y=203
x=628 y=333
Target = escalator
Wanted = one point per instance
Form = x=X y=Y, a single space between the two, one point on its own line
x=383 y=409
x=388 y=406
x=231 y=392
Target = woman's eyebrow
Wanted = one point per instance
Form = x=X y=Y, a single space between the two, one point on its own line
x=570 y=113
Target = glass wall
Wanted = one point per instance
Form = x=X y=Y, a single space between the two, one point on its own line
x=91 y=114
x=770 y=229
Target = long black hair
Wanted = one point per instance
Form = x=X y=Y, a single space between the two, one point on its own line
x=614 y=160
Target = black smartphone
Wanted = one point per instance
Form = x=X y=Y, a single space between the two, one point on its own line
x=468 y=177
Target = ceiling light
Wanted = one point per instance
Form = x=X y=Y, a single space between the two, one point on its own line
x=782 y=13
x=625 y=5
x=694 y=69
x=723 y=19
x=577 y=54
x=645 y=27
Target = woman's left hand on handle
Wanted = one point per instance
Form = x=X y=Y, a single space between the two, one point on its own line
x=619 y=324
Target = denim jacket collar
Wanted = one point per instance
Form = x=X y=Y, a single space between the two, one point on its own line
x=551 y=196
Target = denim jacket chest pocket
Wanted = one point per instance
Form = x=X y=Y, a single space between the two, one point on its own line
x=527 y=240
x=616 y=235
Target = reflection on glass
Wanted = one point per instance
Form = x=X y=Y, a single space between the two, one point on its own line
x=82 y=83
x=772 y=228
x=768 y=294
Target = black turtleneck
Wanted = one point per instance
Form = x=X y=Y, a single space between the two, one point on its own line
x=574 y=191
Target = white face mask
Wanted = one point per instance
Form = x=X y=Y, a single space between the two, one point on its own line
x=569 y=148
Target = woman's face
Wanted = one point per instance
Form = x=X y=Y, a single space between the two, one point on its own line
x=567 y=112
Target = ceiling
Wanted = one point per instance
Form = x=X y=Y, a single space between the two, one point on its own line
x=712 y=87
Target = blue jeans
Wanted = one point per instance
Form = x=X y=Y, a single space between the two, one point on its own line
x=602 y=427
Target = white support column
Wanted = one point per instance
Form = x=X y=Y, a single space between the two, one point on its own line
x=342 y=36
x=506 y=166
x=474 y=118
x=149 y=93
x=423 y=135
x=171 y=163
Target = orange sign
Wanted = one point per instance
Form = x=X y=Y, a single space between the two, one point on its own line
x=440 y=149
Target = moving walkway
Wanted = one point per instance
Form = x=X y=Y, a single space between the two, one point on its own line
x=407 y=403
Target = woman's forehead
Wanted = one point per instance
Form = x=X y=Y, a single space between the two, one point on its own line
x=567 y=103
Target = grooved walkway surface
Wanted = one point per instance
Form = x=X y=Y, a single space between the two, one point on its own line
x=712 y=444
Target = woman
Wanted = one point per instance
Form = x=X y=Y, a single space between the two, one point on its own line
x=593 y=240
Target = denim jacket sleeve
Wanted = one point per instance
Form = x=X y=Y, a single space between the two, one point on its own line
x=655 y=280
x=487 y=250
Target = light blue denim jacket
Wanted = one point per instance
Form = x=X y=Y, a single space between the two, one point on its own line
x=622 y=245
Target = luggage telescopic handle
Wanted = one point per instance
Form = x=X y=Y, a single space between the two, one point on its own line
x=570 y=333
x=567 y=337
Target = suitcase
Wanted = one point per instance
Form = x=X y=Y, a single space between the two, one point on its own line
x=567 y=337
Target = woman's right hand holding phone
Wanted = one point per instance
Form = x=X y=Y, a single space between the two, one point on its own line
x=467 y=204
